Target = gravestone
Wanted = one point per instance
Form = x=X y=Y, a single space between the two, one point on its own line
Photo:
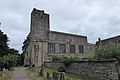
x=42 y=72
x=58 y=75
x=48 y=74
x=3 y=72
x=33 y=68
x=49 y=78
x=62 y=76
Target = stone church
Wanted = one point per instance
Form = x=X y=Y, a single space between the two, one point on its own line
x=109 y=41
x=42 y=43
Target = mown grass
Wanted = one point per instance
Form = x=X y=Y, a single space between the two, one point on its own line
x=34 y=75
x=7 y=76
x=71 y=76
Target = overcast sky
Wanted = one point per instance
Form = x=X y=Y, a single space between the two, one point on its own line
x=92 y=18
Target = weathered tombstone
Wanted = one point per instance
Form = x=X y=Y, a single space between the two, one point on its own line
x=56 y=75
x=33 y=67
x=29 y=67
x=53 y=74
x=3 y=72
x=42 y=72
x=62 y=76
x=48 y=75
x=49 y=78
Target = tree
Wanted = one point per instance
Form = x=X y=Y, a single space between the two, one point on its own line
x=3 y=44
x=13 y=51
x=20 y=60
x=108 y=52
x=8 y=56
x=8 y=61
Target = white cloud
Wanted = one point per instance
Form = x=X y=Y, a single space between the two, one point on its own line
x=93 y=18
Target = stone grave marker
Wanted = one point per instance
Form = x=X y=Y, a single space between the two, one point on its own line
x=3 y=72
x=42 y=72
x=62 y=76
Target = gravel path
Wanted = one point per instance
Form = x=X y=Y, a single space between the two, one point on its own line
x=20 y=74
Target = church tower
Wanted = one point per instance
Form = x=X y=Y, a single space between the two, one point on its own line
x=39 y=25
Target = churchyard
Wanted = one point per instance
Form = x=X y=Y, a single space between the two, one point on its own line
x=6 y=75
x=47 y=73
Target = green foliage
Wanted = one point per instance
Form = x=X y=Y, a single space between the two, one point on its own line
x=3 y=44
x=13 y=51
x=61 y=69
x=8 y=75
x=89 y=58
x=66 y=63
x=70 y=59
x=108 y=52
x=55 y=58
x=8 y=61
x=21 y=59
x=66 y=60
x=8 y=55
x=4 y=48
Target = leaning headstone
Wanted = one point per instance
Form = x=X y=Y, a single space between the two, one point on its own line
x=3 y=72
x=56 y=75
x=42 y=72
x=48 y=75
x=53 y=74
x=33 y=68
x=49 y=78
x=62 y=76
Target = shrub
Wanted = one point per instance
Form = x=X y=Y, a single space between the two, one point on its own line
x=55 y=58
x=66 y=63
x=70 y=59
x=108 y=52
x=61 y=69
x=8 y=61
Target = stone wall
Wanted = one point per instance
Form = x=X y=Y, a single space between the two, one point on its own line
x=101 y=70
x=54 y=64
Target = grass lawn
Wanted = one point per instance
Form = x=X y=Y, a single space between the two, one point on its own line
x=7 y=76
x=34 y=75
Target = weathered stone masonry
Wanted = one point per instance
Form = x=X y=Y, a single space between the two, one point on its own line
x=42 y=43
x=101 y=70
x=108 y=41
